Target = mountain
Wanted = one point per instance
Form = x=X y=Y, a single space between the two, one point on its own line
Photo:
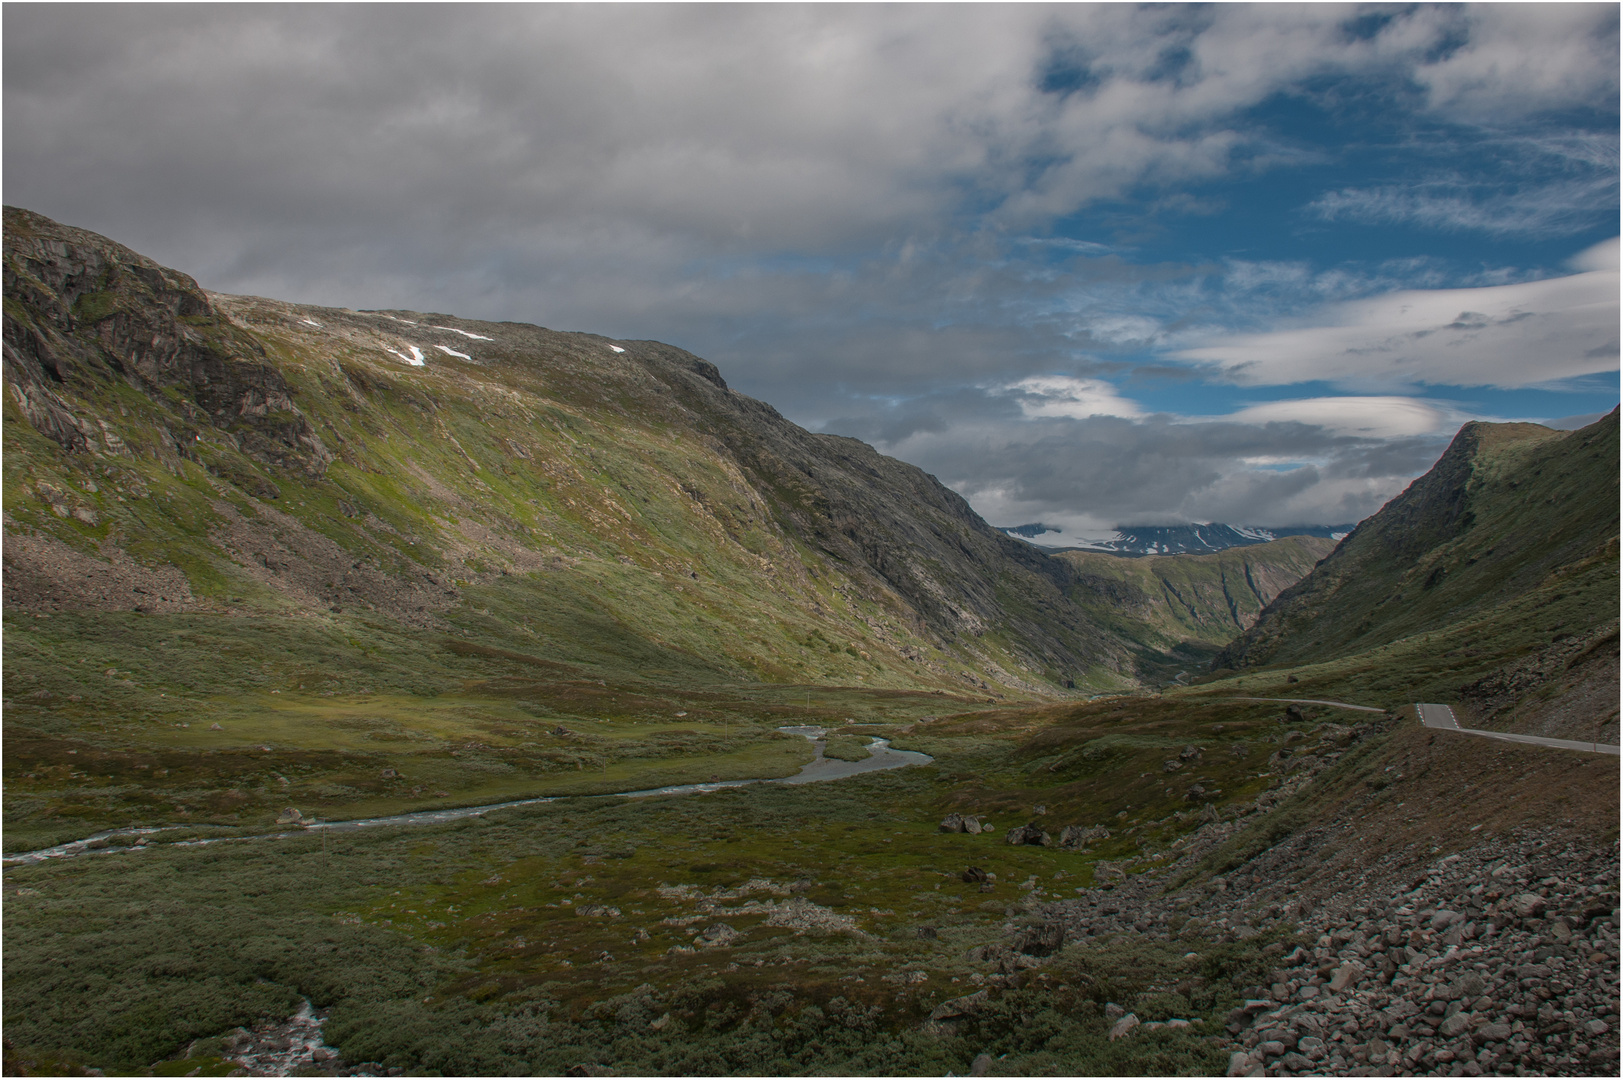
x=1138 y=540
x=1187 y=606
x=599 y=502
x=1497 y=569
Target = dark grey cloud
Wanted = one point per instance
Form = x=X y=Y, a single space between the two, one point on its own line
x=1090 y=474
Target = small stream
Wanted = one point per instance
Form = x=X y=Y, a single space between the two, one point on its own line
x=880 y=756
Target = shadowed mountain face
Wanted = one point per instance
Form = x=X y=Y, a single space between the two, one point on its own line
x=178 y=451
x=1506 y=553
x=1185 y=607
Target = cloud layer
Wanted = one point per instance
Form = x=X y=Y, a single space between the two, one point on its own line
x=964 y=231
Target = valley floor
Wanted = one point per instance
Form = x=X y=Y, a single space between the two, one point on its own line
x=1255 y=891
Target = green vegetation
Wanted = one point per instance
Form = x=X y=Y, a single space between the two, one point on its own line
x=541 y=937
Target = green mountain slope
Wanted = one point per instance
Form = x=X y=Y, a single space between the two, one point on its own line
x=1188 y=606
x=599 y=501
x=1492 y=580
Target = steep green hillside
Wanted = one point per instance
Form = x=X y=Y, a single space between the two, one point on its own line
x=1494 y=578
x=291 y=459
x=1187 y=606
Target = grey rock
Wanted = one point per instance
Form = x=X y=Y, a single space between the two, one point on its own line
x=1031 y=834
x=1123 y=1027
x=1529 y=905
x=981 y=1066
x=957 y=1007
x=1043 y=940
x=1455 y=1026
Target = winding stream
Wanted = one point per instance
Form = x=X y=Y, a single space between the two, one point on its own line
x=820 y=768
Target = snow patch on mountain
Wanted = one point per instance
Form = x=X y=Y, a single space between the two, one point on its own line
x=465 y=333
x=415 y=359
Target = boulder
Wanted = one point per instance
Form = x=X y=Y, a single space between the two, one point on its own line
x=981 y=1066
x=1529 y=906
x=1455 y=1026
x=1045 y=939
x=1075 y=837
x=955 y=1008
x=972 y=823
x=290 y=816
x=717 y=936
x=952 y=823
x=1123 y=1027
x=974 y=875
x=1027 y=834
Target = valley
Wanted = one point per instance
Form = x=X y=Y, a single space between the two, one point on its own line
x=263 y=557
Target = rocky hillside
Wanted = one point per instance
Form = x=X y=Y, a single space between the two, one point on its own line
x=613 y=502
x=1503 y=557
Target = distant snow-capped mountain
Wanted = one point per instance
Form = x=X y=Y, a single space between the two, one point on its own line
x=1193 y=539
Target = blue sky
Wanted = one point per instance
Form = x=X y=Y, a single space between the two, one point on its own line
x=1090 y=265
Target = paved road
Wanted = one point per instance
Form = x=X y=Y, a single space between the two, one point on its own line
x=1441 y=716
x=1310 y=701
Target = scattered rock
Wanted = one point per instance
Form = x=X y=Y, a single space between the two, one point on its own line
x=973 y=875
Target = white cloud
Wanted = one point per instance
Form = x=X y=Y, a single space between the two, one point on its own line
x=1516 y=335
x=1363 y=417
x=1603 y=257
x=1066 y=395
x=1517 y=59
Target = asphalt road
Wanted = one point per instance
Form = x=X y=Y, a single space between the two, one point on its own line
x=1310 y=701
x=1441 y=716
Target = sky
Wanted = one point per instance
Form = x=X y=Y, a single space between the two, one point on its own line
x=1090 y=265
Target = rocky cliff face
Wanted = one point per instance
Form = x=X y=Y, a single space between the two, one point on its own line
x=83 y=313
x=299 y=458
